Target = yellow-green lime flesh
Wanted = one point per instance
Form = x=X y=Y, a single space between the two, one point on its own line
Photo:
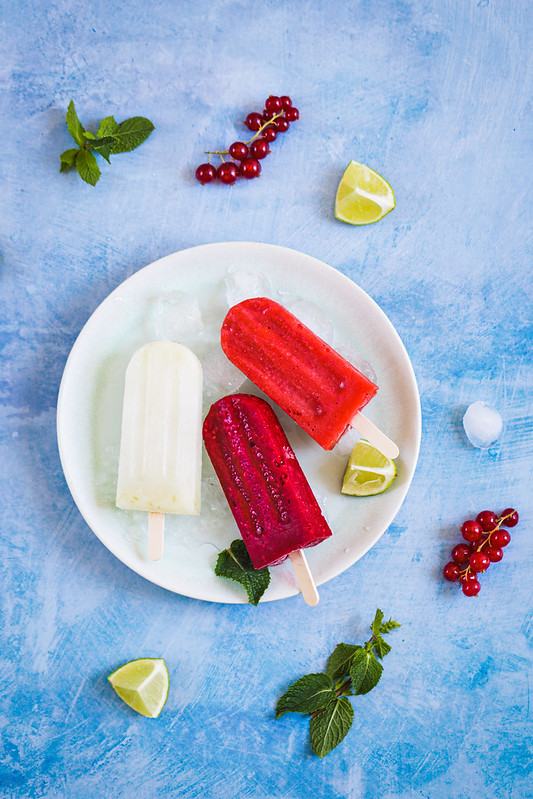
x=363 y=196
x=368 y=472
x=143 y=685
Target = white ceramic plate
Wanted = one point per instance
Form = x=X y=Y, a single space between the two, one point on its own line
x=185 y=297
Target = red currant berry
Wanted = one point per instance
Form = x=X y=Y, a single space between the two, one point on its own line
x=253 y=121
x=267 y=116
x=273 y=104
x=251 y=168
x=238 y=150
x=471 y=531
x=292 y=114
x=269 y=134
x=282 y=124
x=471 y=588
x=487 y=519
x=461 y=553
x=512 y=517
x=228 y=172
x=286 y=101
x=469 y=575
x=500 y=538
x=479 y=562
x=259 y=148
x=451 y=571
x=205 y=173
x=494 y=554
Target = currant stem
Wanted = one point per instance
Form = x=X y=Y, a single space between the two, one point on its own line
x=222 y=153
x=264 y=125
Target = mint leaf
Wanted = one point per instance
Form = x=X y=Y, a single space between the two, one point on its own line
x=74 y=125
x=87 y=167
x=381 y=647
x=376 y=624
x=68 y=159
x=340 y=661
x=88 y=135
x=130 y=133
x=388 y=626
x=330 y=726
x=365 y=671
x=107 y=127
x=309 y=693
x=235 y=564
x=104 y=147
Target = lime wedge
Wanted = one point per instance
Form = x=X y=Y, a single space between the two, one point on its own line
x=362 y=196
x=143 y=685
x=368 y=472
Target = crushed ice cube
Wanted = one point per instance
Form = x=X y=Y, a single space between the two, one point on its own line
x=176 y=316
x=356 y=359
x=483 y=424
x=220 y=375
x=314 y=318
x=244 y=283
x=347 y=442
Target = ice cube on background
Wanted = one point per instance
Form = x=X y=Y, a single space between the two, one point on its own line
x=483 y=424
x=314 y=318
x=176 y=316
x=354 y=357
x=244 y=283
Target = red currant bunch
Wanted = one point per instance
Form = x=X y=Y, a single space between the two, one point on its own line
x=246 y=156
x=486 y=539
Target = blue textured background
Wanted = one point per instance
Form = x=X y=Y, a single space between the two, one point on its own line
x=436 y=97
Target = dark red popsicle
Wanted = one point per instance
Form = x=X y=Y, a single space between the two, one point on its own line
x=266 y=489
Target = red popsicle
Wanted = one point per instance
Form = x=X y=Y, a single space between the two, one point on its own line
x=272 y=502
x=308 y=379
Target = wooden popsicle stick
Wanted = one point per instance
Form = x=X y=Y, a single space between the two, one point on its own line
x=156 y=535
x=304 y=577
x=375 y=436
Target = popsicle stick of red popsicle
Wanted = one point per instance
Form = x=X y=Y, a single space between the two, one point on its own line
x=306 y=377
x=304 y=577
x=272 y=503
x=375 y=436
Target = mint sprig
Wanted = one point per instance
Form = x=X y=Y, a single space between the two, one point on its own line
x=351 y=670
x=110 y=138
x=235 y=564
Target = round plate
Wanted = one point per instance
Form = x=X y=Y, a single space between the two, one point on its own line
x=185 y=297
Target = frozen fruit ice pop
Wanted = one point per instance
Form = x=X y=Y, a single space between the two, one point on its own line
x=161 y=440
x=266 y=489
x=308 y=379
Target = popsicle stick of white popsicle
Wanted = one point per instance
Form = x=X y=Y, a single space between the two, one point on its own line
x=375 y=436
x=156 y=535
x=304 y=577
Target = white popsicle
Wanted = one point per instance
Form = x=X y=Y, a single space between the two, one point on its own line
x=161 y=440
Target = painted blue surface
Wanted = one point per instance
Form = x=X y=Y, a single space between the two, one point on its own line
x=435 y=96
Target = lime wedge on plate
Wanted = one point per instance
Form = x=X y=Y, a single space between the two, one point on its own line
x=368 y=472
x=143 y=685
x=362 y=196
